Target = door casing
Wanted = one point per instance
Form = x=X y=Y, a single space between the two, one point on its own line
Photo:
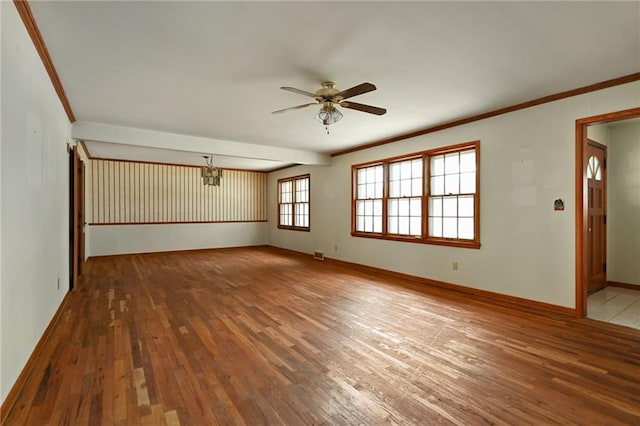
x=581 y=192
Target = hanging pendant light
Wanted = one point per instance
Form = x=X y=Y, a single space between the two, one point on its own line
x=211 y=175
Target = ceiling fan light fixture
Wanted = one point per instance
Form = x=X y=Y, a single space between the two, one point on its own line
x=328 y=114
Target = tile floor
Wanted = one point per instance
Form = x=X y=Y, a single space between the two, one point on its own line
x=615 y=305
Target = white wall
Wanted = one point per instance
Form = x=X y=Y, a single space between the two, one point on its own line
x=623 y=215
x=120 y=239
x=527 y=161
x=34 y=254
x=599 y=133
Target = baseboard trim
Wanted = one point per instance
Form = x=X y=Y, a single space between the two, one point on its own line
x=623 y=285
x=10 y=400
x=520 y=302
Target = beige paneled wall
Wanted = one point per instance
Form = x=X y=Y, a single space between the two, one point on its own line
x=131 y=192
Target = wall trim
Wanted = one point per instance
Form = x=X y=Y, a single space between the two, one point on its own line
x=174 y=223
x=535 y=102
x=497 y=298
x=38 y=42
x=9 y=402
x=623 y=285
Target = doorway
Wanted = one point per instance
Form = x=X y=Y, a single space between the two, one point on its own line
x=76 y=217
x=591 y=208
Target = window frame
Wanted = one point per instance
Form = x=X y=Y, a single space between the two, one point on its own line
x=294 y=202
x=424 y=238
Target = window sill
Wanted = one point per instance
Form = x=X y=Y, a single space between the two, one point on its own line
x=409 y=239
x=294 y=228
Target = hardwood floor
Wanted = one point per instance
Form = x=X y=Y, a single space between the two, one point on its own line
x=260 y=336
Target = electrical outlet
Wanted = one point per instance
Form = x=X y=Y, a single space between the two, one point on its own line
x=455 y=266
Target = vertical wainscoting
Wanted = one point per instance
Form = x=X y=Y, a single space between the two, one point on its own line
x=125 y=192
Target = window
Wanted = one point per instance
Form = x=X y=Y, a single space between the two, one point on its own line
x=429 y=197
x=405 y=197
x=593 y=169
x=452 y=195
x=369 y=199
x=293 y=203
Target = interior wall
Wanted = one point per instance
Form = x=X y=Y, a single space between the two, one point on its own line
x=35 y=179
x=599 y=133
x=623 y=215
x=123 y=239
x=527 y=161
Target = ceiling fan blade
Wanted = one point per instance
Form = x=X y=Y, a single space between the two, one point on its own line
x=364 y=108
x=356 y=90
x=280 y=111
x=299 y=91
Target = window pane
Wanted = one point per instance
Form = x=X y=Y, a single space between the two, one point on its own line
x=452 y=184
x=368 y=208
x=368 y=223
x=415 y=208
x=450 y=206
x=450 y=227
x=378 y=173
x=362 y=175
x=393 y=225
x=405 y=169
x=359 y=208
x=377 y=208
x=465 y=230
x=360 y=223
x=403 y=207
x=437 y=165
x=405 y=188
x=416 y=168
x=415 y=226
x=468 y=161
x=403 y=225
x=371 y=191
x=452 y=163
x=371 y=174
x=394 y=171
x=377 y=224
x=435 y=227
x=394 y=188
x=362 y=191
x=437 y=185
x=393 y=207
x=465 y=206
x=468 y=183
x=416 y=187
x=435 y=207
x=378 y=190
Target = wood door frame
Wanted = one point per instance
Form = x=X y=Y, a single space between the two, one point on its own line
x=77 y=217
x=582 y=193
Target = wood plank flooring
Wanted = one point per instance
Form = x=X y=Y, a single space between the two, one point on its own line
x=256 y=336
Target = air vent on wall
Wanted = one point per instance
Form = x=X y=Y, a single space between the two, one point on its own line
x=318 y=255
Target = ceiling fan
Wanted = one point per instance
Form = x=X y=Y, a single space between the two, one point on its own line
x=330 y=97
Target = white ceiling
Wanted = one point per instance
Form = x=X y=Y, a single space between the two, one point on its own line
x=213 y=69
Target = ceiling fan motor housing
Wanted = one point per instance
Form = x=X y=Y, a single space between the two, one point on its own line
x=328 y=92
